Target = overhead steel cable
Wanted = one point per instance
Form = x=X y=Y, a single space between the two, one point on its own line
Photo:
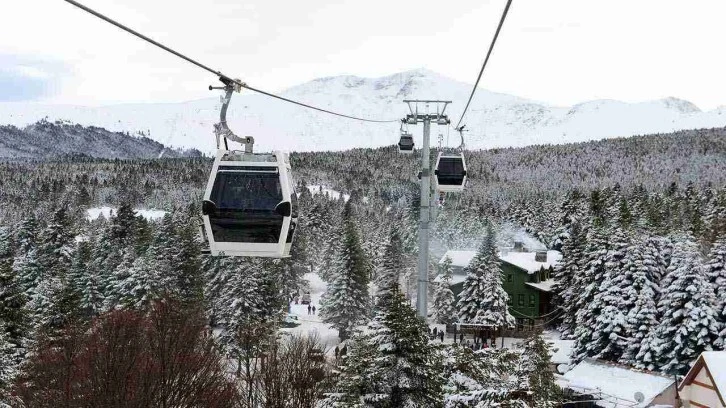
x=222 y=77
x=489 y=53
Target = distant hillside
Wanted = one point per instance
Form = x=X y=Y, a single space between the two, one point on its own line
x=494 y=119
x=46 y=139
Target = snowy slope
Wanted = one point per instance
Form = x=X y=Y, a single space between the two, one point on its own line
x=495 y=120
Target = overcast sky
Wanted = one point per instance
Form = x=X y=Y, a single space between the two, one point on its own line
x=556 y=51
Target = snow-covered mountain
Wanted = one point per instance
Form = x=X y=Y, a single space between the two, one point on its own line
x=495 y=120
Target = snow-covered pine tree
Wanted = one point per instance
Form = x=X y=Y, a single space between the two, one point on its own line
x=13 y=313
x=716 y=271
x=8 y=363
x=483 y=299
x=26 y=262
x=186 y=260
x=85 y=281
x=352 y=382
x=596 y=255
x=346 y=302
x=106 y=256
x=569 y=282
x=56 y=245
x=571 y=212
x=610 y=305
x=643 y=269
x=535 y=368
x=444 y=299
x=688 y=324
x=484 y=378
x=394 y=365
x=406 y=365
x=141 y=284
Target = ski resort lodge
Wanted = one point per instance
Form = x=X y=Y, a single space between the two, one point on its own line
x=705 y=383
x=527 y=280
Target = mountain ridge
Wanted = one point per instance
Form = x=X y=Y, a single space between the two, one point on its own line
x=44 y=139
x=495 y=119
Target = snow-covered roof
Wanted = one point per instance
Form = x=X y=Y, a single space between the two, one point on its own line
x=525 y=260
x=615 y=384
x=544 y=286
x=459 y=258
x=455 y=279
x=716 y=363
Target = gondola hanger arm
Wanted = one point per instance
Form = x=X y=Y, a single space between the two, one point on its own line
x=221 y=129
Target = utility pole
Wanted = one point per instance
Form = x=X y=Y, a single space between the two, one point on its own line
x=413 y=118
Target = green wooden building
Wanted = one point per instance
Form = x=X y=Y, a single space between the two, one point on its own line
x=527 y=280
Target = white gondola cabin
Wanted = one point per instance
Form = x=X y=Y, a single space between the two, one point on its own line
x=250 y=206
x=450 y=173
x=405 y=144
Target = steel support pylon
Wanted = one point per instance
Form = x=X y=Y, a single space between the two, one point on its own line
x=426 y=118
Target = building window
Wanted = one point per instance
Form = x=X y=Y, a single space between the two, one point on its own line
x=510 y=277
x=531 y=323
x=520 y=323
x=531 y=300
x=520 y=300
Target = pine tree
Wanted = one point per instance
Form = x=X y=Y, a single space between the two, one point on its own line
x=716 y=271
x=85 y=281
x=535 y=367
x=688 y=323
x=483 y=300
x=394 y=365
x=26 y=263
x=13 y=313
x=346 y=302
x=596 y=251
x=610 y=305
x=8 y=363
x=639 y=288
x=444 y=299
x=56 y=245
x=569 y=282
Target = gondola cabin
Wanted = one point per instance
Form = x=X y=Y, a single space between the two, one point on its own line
x=450 y=173
x=405 y=144
x=250 y=206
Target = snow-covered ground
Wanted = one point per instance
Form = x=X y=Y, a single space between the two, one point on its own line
x=317 y=189
x=95 y=212
x=311 y=323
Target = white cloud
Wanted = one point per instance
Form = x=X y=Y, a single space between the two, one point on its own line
x=32 y=72
x=559 y=51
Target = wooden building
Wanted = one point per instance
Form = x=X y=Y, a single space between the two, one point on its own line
x=705 y=384
x=527 y=280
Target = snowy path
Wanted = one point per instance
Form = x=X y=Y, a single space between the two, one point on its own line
x=311 y=323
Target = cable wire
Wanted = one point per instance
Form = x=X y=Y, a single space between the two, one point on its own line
x=222 y=77
x=489 y=53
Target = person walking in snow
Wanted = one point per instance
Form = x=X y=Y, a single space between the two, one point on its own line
x=309 y=309
x=436 y=331
x=313 y=309
x=441 y=335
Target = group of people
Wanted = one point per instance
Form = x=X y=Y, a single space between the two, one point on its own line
x=433 y=334
x=480 y=342
x=311 y=308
